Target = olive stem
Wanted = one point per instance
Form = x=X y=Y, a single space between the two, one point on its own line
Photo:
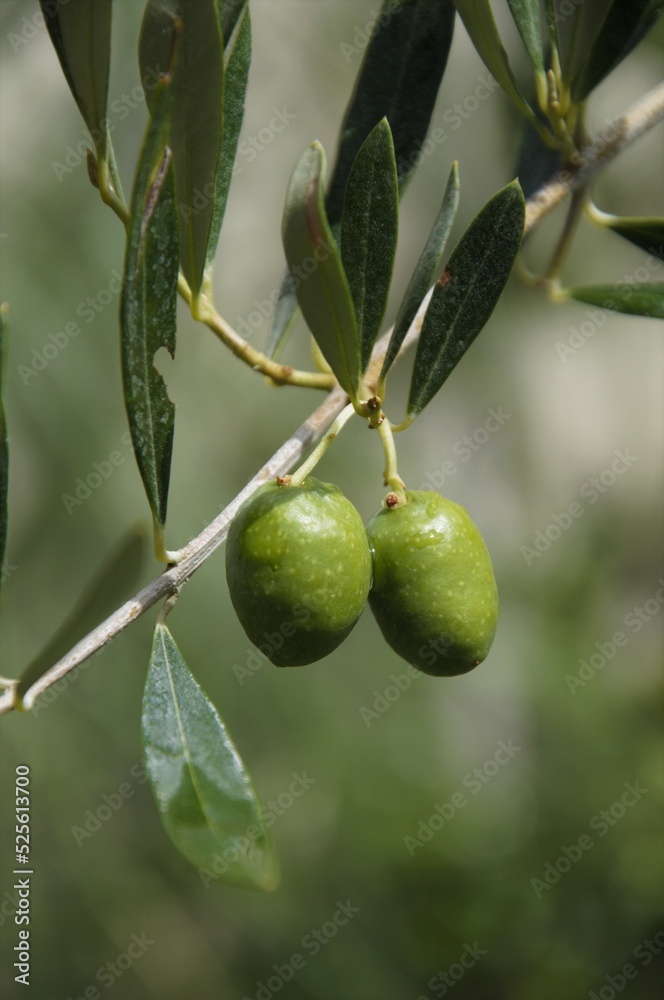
x=298 y=477
x=392 y=477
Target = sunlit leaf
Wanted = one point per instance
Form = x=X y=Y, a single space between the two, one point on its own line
x=467 y=293
x=399 y=79
x=637 y=299
x=626 y=23
x=426 y=270
x=81 y=34
x=369 y=230
x=203 y=791
x=315 y=264
x=148 y=306
x=111 y=585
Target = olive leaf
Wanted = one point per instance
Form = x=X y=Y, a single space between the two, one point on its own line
x=526 y=14
x=426 y=269
x=237 y=59
x=477 y=17
x=467 y=292
x=625 y=24
x=369 y=229
x=110 y=586
x=638 y=299
x=148 y=305
x=647 y=233
x=399 y=80
x=315 y=264
x=196 y=126
x=577 y=34
x=203 y=792
x=537 y=162
x=4 y=447
x=81 y=35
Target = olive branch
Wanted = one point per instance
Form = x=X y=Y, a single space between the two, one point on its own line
x=642 y=116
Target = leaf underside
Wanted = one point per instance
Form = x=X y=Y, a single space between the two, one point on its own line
x=203 y=792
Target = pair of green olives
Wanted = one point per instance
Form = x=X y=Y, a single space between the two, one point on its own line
x=300 y=566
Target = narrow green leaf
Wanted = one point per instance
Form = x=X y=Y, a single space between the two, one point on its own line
x=427 y=267
x=111 y=585
x=4 y=448
x=203 y=792
x=638 y=299
x=230 y=12
x=283 y=318
x=480 y=25
x=467 y=293
x=647 y=233
x=550 y=16
x=237 y=58
x=578 y=31
x=81 y=34
x=399 y=80
x=314 y=261
x=623 y=28
x=526 y=14
x=369 y=229
x=148 y=306
x=197 y=116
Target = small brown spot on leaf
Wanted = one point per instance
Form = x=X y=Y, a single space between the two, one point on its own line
x=445 y=277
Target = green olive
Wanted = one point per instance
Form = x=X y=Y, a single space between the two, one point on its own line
x=434 y=595
x=299 y=569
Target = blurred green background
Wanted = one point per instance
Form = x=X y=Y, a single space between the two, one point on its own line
x=468 y=890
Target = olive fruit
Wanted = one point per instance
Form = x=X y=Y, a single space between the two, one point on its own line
x=299 y=569
x=433 y=595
